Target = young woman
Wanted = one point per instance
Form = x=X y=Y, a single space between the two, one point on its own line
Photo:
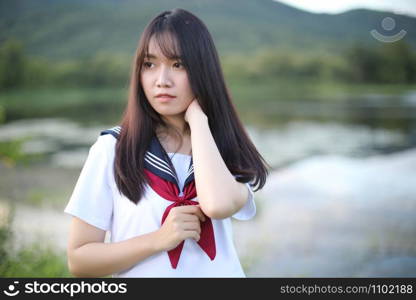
x=166 y=182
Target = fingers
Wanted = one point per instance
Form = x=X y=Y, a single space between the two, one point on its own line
x=196 y=236
x=192 y=209
x=190 y=218
x=190 y=226
x=192 y=234
x=199 y=213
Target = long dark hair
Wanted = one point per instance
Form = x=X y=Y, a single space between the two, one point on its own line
x=199 y=56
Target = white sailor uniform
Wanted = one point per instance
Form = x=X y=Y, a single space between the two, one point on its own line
x=97 y=201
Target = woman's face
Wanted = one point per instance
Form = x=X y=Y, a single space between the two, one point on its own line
x=160 y=75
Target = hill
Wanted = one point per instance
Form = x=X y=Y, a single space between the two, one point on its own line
x=79 y=28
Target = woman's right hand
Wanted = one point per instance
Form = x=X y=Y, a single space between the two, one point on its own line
x=183 y=222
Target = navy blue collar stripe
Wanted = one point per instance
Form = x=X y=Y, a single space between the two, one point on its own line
x=157 y=159
x=158 y=165
x=161 y=168
x=115 y=131
x=160 y=173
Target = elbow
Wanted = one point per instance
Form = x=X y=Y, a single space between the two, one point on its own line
x=215 y=210
x=224 y=207
x=76 y=272
x=219 y=214
x=74 y=268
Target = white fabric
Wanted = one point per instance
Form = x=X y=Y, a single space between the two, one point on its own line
x=96 y=200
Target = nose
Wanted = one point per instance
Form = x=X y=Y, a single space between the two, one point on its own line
x=163 y=78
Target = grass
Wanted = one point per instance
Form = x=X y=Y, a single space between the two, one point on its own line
x=11 y=153
x=35 y=260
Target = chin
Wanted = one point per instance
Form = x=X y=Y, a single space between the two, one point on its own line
x=171 y=112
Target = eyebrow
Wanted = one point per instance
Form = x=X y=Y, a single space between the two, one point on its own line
x=150 y=55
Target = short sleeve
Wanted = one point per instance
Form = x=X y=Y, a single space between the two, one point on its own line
x=91 y=199
x=248 y=211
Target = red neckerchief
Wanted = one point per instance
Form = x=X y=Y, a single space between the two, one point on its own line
x=169 y=191
x=163 y=180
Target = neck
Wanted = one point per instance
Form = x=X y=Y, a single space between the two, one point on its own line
x=175 y=125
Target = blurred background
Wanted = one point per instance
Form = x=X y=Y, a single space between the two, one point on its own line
x=326 y=91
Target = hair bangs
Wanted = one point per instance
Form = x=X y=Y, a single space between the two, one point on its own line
x=166 y=39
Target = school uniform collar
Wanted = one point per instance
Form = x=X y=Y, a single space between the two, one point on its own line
x=157 y=160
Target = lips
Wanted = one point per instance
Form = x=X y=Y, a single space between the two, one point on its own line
x=165 y=97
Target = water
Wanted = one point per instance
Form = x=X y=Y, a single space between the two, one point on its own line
x=331 y=216
x=65 y=144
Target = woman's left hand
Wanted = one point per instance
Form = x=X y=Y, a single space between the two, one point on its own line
x=194 y=111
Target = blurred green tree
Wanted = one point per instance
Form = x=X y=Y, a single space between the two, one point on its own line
x=397 y=64
x=12 y=64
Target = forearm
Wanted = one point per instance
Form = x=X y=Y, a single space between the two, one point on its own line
x=102 y=259
x=219 y=194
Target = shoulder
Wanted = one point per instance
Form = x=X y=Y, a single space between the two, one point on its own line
x=106 y=141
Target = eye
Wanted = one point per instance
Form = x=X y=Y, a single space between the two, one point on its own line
x=178 y=65
x=147 y=64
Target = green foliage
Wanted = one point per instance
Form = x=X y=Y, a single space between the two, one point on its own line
x=391 y=63
x=100 y=70
x=397 y=64
x=11 y=152
x=5 y=234
x=19 y=71
x=87 y=105
x=2 y=114
x=12 y=64
x=35 y=260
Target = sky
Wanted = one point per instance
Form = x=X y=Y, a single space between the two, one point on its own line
x=405 y=7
